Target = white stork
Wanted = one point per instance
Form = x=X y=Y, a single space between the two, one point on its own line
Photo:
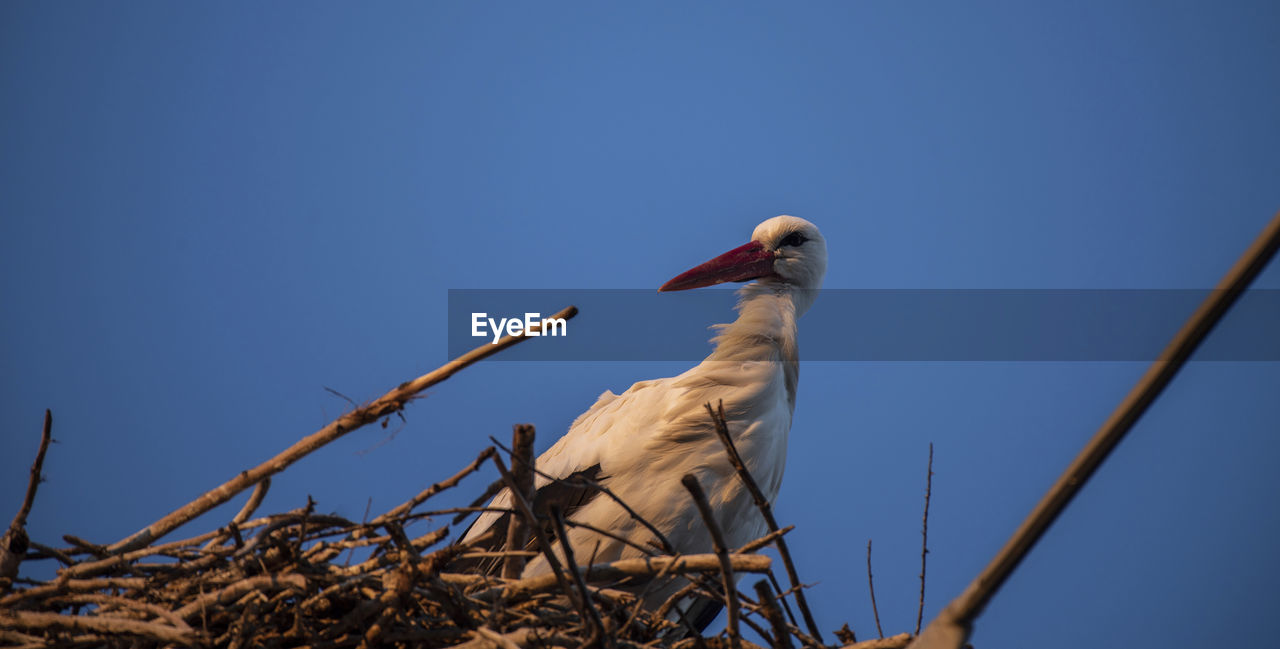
x=640 y=443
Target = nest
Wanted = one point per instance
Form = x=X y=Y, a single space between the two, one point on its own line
x=307 y=579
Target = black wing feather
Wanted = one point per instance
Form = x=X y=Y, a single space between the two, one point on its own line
x=571 y=494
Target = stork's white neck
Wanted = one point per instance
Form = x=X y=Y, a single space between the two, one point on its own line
x=765 y=329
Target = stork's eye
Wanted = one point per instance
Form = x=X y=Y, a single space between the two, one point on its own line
x=794 y=239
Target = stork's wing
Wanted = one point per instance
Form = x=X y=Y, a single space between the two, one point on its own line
x=570 y=494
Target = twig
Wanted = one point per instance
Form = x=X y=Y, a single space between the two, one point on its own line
x=924 y=541
x=581 y=481
x=126 y=602
x=526 y=510
x=872 y=585
x=14 y=543
x=436 y=488
x=588 y=607
x=769 y=607
x=752 y=546
x=72 y=586
x=250 y=506
x=522 y=436
x=690 y=482
x=952 y=626
x=639 y=567
x=392 y=401
x=892 y=642
x=234 y=591
x=34 y=621
x=766 y=510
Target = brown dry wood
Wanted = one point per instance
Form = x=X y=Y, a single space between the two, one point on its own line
x=771 y=612
x=522 y=467
x=721 y=426
x=639 y=567
x=588 y=606
x=525 y=509
x=892 y=642
x=434 y=489
x=763 y=541
x=924 y=540
x=389 y=403
x=690 y=483
x=40 y=621
x=72 y=586
x=124 y=602
x=234 y=591
x=952 y=626
x=14 y=543
x=871 y=585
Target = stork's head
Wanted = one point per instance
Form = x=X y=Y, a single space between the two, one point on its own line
x=784 y=250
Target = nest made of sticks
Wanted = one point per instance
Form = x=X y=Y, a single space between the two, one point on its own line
x=307 y=579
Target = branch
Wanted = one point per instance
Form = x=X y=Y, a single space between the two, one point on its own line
x=639 y=567
x=924 y=542
x=951 y=628
x=522 y=460
x=872 y=585
x=589 y=610
x=769 y=606
x=766 y=510
x=14 y=543
x=722 y=554
x=33 y=621
x=389 y=403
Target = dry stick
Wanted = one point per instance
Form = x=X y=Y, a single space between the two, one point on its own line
x=525 y=509
x=588 y=607
x=434 y=489
x=522 y=460
x=14 y=543
x=752 y=546
x=126 y=602
x=391 y=402
x=637 y=567
x=952 y=626
x=924 y=542
x=234 y=591
x=872 y=585
x=722 y=553
x=72 y=586
x=250 y=506
x=33 y=621
x=769 y=606
x=892 y=642
x=582 y=481
x=766 y=510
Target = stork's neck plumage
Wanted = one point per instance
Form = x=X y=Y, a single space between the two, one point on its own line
x=765 y=329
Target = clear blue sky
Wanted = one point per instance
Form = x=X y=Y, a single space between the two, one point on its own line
x=209 y=211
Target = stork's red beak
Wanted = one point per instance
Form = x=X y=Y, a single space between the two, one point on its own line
x=738 y=265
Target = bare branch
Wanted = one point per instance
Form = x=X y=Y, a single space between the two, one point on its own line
x=522 y=459
x=588 y=607
x=388 y=403
x=690 y=482
x=769 y=607
x=872 y=585
x=766 y=510
x=952 y=626
x=14 y=543
x=924 y=541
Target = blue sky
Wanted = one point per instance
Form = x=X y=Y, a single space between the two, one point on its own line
x=209 y=212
